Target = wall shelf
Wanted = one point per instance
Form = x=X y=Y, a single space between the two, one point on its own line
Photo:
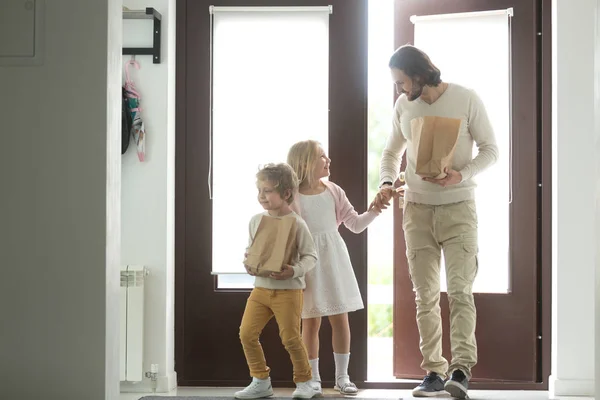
x=154 y=51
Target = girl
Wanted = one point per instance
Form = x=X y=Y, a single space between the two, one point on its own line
x=331 y=288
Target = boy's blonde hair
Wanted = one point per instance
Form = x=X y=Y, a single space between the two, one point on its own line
x=282 y=176
x=302 y=157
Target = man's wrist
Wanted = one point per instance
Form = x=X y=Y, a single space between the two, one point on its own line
x=386 y=183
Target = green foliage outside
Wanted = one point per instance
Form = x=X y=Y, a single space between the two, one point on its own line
x=380 y=315
x=380 y=320
x=380 y=274
x=379 y=130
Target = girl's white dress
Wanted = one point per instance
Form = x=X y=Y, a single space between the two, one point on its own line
x=331 y=286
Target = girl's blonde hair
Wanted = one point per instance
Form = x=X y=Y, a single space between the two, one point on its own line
x=302 y=157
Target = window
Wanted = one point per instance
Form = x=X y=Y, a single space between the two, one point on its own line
x=487 y=55
x=270 y=80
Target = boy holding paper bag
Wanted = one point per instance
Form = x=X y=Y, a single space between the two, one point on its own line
x=280 y=252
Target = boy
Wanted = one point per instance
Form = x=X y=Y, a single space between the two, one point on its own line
x=281 y=293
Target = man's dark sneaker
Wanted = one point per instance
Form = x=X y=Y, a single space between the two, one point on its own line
x=457 y=385
x=432 y=385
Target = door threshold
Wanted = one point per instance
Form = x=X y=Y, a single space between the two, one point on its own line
x=392 y=380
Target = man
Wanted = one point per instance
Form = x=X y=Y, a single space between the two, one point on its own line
x=439 y=214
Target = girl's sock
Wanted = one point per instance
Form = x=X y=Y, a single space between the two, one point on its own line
x=341 y=367
x=314 y=364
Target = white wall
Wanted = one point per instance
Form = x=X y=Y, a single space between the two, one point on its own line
x=59 y=205
x=573 y=341
x=148 y=190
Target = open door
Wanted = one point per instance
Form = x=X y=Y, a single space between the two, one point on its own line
x=507 y=290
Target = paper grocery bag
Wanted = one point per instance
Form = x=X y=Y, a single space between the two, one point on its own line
x=273 y=246
x=435 y=139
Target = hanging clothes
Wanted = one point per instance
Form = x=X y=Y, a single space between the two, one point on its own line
x=133 y=99
x=125 y=122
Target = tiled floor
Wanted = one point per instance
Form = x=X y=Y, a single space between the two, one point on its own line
x=382 y=394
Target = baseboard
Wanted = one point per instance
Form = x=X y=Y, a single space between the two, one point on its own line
x=164 y=384
x=571 y=387
x=167 y=383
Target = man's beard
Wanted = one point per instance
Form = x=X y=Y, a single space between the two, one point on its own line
x=416 y=92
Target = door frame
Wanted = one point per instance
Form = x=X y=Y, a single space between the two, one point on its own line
x=185 y=122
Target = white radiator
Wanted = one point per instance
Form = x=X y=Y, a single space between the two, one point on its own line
x=132 y=323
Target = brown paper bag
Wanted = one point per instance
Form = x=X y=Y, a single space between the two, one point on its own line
x=273 y=246
x=435 y=139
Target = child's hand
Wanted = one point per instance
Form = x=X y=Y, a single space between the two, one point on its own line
x=383 y=198
x=248 y=268
x=373 y=207
x=249 y=271
x=287 y=272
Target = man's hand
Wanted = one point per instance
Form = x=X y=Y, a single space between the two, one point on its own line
x=452 y=178
x=385 y=195
x=287 y=272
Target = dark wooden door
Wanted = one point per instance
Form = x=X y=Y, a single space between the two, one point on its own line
x=509 y=326
x=207 y=346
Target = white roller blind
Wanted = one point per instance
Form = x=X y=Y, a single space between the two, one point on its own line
x=270 y=89
x=473 y=50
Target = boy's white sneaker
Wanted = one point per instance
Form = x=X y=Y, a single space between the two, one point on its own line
x=257 y=389
x=306 y=390
x=317 y=386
